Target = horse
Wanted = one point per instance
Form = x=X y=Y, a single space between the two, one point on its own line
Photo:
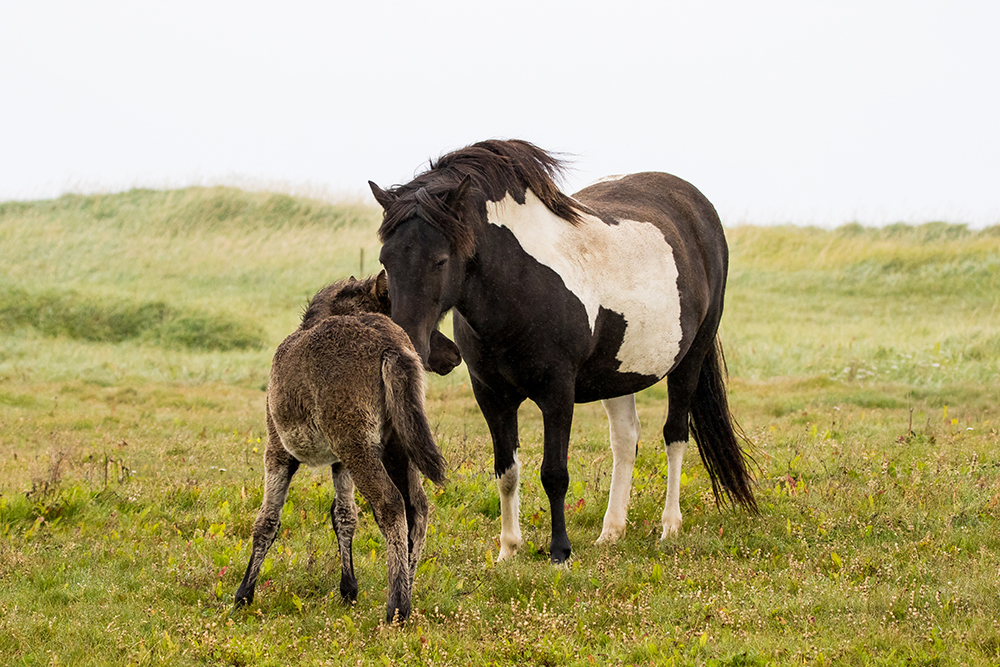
x=346 y=390
x=570 y=299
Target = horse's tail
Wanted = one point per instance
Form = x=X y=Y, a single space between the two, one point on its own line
x=403 y=378
x=719 y=437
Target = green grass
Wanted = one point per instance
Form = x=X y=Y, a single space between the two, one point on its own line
x=103 y=319
x=135 y=336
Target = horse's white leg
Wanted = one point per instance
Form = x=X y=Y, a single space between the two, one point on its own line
x=672 y=508
x=623 y=423
x=510 y=526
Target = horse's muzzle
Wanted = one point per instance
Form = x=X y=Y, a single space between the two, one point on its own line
x=443 y=356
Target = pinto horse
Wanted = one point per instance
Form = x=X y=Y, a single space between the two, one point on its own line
x=566 y=300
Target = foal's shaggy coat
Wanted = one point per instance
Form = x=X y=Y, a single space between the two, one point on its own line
x=347 y=390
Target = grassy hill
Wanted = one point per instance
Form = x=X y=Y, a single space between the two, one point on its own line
x=196 y=269
x=136 y=330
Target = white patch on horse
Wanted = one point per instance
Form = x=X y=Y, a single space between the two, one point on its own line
x=627 y=268
x=510 y=525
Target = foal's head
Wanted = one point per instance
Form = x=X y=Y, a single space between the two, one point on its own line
x=349 y=296
x=371 y=295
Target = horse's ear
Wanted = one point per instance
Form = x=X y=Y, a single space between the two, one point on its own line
x=380 y=290
x=456 y=198
x=383 y=198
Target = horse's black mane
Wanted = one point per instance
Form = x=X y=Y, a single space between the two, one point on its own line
x=495 y=168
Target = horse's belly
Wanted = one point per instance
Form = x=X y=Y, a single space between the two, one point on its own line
x=602 y=376
x=309 y=446
x=652 y=336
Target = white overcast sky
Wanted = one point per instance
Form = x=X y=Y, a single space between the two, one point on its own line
x=803 y=112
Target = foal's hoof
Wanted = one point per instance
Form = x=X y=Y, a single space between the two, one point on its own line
x=349 y=590
x=241 y=603
x=396 y=617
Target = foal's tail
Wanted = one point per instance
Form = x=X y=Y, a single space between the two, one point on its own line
x=403 y=378
x=719 y=437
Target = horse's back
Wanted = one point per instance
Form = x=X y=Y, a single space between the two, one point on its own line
x=690 y=227
x=647 y=194
x=675 y=206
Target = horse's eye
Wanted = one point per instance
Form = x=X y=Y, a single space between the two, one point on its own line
x=440 y=263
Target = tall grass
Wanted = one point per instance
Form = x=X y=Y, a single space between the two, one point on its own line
x=135 y=336
x=110 y=320
x=195 y=269
x=902 y=312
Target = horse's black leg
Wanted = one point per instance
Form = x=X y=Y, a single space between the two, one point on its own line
x=557 y=419
x=500 y=411
x=387 y=505
x=344 y=516
x=406 y=477
x=681 y=384
x=279 y=466
x=696 y=390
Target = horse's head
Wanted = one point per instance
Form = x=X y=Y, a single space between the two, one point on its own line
x=424 y=261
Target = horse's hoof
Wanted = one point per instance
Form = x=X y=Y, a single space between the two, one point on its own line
x=670 y=530
x=507 y=551
x=559 y=554
x=610 y=535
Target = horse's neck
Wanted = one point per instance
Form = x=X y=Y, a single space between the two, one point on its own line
x=495 y=289
x=528 y=220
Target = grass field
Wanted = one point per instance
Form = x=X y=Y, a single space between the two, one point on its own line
x=136 y=331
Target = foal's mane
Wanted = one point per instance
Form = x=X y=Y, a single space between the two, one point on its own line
x=495 y=168
x=348 y=296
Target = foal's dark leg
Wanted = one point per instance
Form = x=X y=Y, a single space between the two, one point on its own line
x=390 y=514
x=344 y=516
x=557 y=419
x=500 y=411
x=406 y=477
x=279 y=466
